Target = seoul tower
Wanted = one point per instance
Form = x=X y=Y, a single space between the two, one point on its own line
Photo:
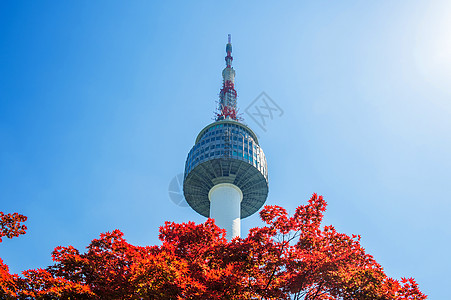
x=226 y=175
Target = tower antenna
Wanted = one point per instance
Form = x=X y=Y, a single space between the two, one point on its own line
x=227 y=108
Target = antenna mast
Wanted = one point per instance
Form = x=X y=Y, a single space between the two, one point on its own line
x=227 y=96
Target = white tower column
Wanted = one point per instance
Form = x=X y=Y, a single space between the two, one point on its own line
x=225 y=207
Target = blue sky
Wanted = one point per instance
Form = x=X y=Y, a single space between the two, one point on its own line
x=100 y=103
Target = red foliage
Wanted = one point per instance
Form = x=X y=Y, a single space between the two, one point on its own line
x=8 y=282
x=11 y=225
x=289 y=258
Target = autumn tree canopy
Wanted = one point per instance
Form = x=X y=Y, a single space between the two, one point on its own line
x=289 y=258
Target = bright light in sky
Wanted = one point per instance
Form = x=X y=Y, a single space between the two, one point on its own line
x=433 y=44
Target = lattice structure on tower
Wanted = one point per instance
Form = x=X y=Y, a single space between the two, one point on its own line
x=227 y=108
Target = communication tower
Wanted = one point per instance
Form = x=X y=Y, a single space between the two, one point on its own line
x=226 y=175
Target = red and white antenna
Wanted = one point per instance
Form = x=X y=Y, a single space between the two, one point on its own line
x=227 y=96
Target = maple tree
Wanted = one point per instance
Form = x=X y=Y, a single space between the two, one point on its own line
x=289 y=258
x=11 y=225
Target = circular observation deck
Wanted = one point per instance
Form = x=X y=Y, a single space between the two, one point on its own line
x=226 y=151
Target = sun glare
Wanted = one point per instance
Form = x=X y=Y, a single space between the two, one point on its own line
x=433 y=45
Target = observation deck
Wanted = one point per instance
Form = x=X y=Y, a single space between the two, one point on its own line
x=226 y=151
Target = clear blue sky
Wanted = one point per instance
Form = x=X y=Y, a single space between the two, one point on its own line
x=101 y=101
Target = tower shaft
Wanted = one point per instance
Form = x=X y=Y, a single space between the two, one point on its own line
x=225 y=208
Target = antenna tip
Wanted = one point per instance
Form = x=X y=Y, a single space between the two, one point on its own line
x=229 y=38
